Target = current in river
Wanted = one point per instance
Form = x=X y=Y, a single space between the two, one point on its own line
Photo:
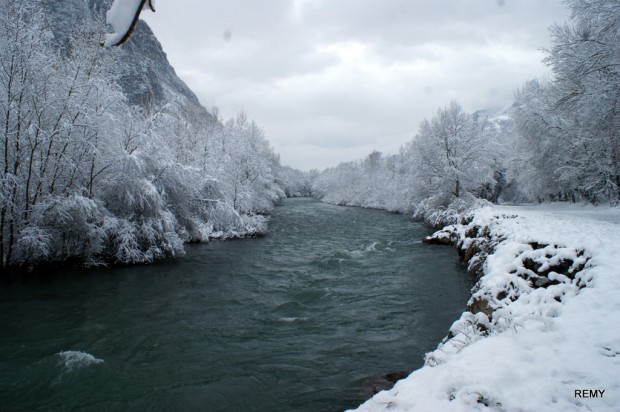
x=303 y=319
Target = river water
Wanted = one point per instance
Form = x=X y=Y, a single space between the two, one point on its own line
x=300 y=320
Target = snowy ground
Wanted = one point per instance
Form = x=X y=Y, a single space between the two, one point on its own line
x=541 y=343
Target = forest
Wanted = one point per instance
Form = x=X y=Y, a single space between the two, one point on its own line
x=89 y=178
x=559 y=141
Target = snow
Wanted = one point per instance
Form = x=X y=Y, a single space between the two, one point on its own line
x=543 y=343
x=121 y=15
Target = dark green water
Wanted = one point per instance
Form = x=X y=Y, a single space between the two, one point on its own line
x=297 y=321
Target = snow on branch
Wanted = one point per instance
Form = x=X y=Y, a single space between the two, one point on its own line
x=123 y=17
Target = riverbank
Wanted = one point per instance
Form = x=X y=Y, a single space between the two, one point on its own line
x=541 y=323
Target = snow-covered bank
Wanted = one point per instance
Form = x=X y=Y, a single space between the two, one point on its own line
x=251 y=225
x=541 y=323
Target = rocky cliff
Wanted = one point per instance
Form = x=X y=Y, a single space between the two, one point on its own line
x=145 y=75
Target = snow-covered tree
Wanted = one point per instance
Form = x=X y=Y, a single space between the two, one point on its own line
x=24 y=86
x=378 y=181
x=295 y=183
x=449 y=153
x=585 y=59
x=87 y=177
x=570 y=126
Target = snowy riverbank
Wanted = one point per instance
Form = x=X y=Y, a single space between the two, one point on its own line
x=541 y=324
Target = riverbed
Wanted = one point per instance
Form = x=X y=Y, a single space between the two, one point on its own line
x=303 y=319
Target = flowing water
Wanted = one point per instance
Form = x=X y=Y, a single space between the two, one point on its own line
x=300 y=320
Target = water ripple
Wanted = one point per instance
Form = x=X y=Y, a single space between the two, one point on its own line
x=295 y=321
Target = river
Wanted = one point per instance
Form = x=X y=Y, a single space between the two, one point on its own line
x=299 y=320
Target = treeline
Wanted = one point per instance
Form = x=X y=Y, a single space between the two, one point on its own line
x=560 y=141
x=87 y=177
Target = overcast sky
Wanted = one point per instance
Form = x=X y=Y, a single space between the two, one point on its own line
x=332 y=80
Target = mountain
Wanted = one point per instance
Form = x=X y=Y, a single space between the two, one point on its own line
x=501 y=119
x=145 y=74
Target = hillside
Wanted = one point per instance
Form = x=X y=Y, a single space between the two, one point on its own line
x=145 y=74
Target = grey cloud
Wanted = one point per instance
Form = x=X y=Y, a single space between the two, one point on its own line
x=262 y=62
x=329 y=80
x=401 y=21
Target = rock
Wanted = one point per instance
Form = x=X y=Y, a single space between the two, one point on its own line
x=382 y=382
x=471 y=250
x=476 y=266
x=541 y=282
x=459 y=249
x=530 y=264
x=480 y=305
x=564 y=268
x=473 y=232
x=536 y=245
x=439 y=238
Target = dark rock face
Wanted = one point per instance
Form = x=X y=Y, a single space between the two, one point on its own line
x=145 y=75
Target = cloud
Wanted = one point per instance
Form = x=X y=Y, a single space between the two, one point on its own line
x=330 y=81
